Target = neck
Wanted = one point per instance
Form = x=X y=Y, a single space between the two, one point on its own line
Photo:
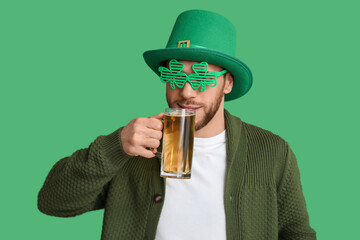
x=215 y=126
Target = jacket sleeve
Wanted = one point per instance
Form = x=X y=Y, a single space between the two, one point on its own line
x=293 y=216
x=78 y=183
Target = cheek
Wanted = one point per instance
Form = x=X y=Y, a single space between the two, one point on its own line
x=209 y=94
x=168 y=89
x=170 y=93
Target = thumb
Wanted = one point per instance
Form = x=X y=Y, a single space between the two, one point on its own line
x=158 y=116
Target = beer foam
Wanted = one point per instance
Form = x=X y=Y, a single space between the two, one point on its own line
x=178 y=112
x=175 y=114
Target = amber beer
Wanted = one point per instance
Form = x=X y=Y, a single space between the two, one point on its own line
x=178 y=142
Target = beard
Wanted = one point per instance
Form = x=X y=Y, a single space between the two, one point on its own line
x=209 y=111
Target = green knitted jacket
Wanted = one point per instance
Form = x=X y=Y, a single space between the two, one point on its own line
x=263 y=194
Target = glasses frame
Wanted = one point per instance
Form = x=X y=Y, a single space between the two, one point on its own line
x=200 y=78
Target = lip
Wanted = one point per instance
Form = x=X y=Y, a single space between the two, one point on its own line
x=189 y=107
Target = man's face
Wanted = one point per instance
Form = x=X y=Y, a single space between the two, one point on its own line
x=205 y=103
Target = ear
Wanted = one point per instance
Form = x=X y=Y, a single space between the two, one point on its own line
x=229 y=82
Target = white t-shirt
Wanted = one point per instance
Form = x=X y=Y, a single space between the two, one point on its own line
x=194 y=208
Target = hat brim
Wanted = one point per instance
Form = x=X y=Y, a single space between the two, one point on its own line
x=241 y=73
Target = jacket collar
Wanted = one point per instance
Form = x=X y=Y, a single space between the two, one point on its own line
x=236 y=151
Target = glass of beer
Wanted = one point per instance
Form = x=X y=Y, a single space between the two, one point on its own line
x=178 y=142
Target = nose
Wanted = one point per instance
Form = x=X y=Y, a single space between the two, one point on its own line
x=188 y=92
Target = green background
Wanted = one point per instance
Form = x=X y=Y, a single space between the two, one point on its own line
x=73 y=70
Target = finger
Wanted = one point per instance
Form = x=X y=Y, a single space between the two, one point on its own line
x=146 y=153
x=153 y=150
x=158 y=116
x=151 y=133
x=154 y=123
x=151 y=143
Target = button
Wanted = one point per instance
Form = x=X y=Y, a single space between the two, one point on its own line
x=158 y=198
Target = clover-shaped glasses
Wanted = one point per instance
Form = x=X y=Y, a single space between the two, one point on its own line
x=200 y=77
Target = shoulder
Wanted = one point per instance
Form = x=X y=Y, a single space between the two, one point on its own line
x=266 y=152
x=264 y=145
x=261 y=136
x=267 y=149
x=255 y=135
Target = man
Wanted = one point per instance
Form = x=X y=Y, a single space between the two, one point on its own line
x=245 y=182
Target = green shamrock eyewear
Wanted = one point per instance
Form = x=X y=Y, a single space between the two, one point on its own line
x=200 y=77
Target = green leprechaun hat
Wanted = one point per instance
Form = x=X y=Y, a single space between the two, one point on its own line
x=200 y=35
